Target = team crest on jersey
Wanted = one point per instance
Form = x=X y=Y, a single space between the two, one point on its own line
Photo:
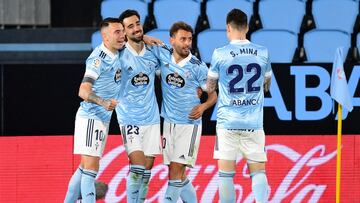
x=117 y=76
x=97 y=63
x=175 y=80
x=140 y=80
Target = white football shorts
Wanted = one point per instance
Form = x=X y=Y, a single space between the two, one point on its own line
x=145 y=138
x=181 y=143
x=247 y=143
x=90 y=136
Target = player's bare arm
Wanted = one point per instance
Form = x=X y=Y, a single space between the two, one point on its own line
x=267 y=83
x=152 y=40
x=198 y=110
x=86 y=93
x=211 y=84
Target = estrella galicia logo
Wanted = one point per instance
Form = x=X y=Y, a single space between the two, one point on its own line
x=117 y=76
x=175 y=80
x=140 y=80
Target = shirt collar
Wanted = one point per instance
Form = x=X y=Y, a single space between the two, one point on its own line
x=183 y=62
x=108 y=52
x=132 y=50
x=239 y=41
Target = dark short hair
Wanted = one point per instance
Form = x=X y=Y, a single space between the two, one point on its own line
x=107 y=21
x=128 y=13
x=237 y=19
x=180 y=26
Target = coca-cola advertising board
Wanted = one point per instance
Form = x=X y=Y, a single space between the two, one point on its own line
x=300 y=169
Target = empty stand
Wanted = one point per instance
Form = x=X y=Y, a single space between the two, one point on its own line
x=160 y=34
x=168 y=12
x=280 y=43
x=113 y=8
x=320 y=45
x=96 y=39
x=335 y=14
x=282 y=14
x=208 y=41
x=217 y=10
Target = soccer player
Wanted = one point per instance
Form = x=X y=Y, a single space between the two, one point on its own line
x=99 y=89
x=181 y=74
x=242 y=70
x=138 y=112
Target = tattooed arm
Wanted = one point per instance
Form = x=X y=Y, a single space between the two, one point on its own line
x=211 y=84
x=86 y=93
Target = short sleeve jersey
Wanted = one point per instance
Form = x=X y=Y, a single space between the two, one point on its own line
x=102 y=66
x=137 y=100
x=240 y=68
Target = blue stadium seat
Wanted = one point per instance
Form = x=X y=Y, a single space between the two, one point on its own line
x=160 y=34
x=113 y=8
x=217 y=10
x=282 y=14
x=335 y=14
x=208 y=40
x=281 y=44
x=168 y=12
x=320 y=45
x=96 y=39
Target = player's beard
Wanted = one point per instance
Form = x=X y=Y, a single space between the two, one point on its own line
x=182 y=51
x=137 y=39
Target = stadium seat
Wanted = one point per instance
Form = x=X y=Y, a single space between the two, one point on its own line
x=208 y=41
x=160 y=34
x=95 y=39
x=320 y=45
x=113 y=8
x=168 y=12
x=281 y=44
x=217 y=10
x=282 y=14
x=335 y=14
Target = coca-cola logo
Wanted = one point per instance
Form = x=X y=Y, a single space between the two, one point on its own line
x=295 y=182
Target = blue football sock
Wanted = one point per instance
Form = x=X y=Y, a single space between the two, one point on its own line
x=88 y=186
x=259 y=186
x=144 y=188
x=133 y=182
x=188 y=193
x=226 y=186
x=173 y=191
x=73 y=191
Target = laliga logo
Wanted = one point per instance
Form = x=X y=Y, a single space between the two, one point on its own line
x=285 y=191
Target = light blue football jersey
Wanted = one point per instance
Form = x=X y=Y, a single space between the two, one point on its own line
x=102 y=66
x=138 y=105
x=240 y=67
x=179 y=83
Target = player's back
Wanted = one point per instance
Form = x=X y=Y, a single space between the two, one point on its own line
x=240 y=67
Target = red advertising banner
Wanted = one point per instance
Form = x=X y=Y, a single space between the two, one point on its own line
x=300 y=169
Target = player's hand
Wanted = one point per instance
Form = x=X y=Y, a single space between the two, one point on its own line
x=196 y=112
x=152 y=41
x=267 y=83
x=110 y=104
x=199 y=92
